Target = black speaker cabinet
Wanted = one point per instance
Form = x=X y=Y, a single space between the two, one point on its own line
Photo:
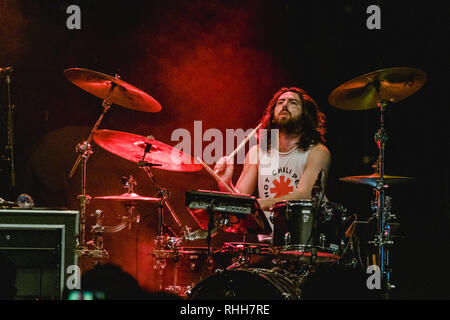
x=41 y=243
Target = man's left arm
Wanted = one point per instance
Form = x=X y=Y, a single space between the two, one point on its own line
x=319 y=158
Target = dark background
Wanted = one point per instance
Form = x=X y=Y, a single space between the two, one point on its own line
x=220 y=62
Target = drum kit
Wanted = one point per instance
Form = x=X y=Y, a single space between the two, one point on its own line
x=305 y=233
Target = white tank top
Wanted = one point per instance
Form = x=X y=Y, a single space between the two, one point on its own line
x=279 y=174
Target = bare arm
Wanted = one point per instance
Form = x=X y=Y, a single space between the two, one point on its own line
x=248 y=178
x=318 y=158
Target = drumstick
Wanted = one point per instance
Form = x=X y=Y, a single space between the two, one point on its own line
x=242 y=144
x=215 y=176
x=230 y=156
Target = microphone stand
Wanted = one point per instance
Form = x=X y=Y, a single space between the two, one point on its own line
x=10 y=146
x=317 y=196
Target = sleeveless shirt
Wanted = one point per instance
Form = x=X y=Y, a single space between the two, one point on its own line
x=279 y=174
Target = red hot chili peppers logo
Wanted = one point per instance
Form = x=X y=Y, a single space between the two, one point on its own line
x=282 y=182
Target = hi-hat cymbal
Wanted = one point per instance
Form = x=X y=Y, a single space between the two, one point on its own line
x=371 y=180
x=129 y=198
x=124 y=94
x=132 y=147
x=361 y=93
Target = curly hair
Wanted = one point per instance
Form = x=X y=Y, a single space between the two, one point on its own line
x=310 y=126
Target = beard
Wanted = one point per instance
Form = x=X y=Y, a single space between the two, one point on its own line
x=287 y=124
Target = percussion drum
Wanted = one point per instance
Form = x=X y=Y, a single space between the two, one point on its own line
x=308 y=232
x=185 y=267
x=247 y=284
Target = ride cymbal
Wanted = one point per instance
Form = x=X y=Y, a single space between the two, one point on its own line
x=133 y=147
x=388 y=85
x=128 y=197
x=371 y=180
x=124 y=94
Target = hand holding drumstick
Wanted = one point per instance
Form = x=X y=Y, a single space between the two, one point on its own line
x=223 y=171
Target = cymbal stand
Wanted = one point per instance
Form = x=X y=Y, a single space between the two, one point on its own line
x=84 y=150
x=129 y=184
x=162 y=193
x=165 y=247
x=98 y=254
x=383 y=239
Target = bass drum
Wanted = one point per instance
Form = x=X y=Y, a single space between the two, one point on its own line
x=247 y=284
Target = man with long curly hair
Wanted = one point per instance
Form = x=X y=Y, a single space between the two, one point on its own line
x=287 y=168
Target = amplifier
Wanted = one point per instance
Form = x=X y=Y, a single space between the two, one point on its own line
x=42 y=244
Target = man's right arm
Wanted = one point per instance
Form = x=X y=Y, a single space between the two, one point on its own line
x=249 y=176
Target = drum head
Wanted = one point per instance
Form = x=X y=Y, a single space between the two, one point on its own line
x=245 y=284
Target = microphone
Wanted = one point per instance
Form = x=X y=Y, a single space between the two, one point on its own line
x=6 y=69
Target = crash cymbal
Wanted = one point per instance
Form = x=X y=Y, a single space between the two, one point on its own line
x=128 y=197
x=132 y=147
x=360 y=93
x=371 y=180
x=124 y=94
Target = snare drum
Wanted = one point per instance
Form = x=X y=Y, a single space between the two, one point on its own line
x=300 y=229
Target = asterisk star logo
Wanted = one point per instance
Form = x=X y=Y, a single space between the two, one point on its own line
x=282 y=187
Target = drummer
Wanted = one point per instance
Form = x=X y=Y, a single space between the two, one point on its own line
x=289 y=171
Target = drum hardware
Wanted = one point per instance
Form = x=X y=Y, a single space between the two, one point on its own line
x=166 y=248
x=110 y=90
x=198 y=234
x=147 y=153
x=163 y=194
x=377 y=90
x=84 y=150
x=9 y=148
x=163 y=242
x=129 y=199
x=244 y=255
x=242 y=260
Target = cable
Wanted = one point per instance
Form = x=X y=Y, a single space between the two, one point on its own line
x=351 y=237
